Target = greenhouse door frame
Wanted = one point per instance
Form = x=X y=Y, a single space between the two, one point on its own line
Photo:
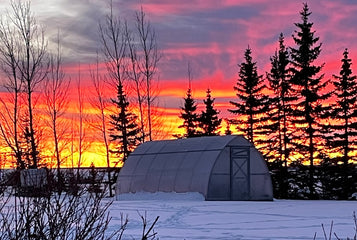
x=240 y=173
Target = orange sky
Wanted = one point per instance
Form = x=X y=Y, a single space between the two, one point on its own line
x=211 y=37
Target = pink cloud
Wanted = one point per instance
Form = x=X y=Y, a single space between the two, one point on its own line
x=164 y=7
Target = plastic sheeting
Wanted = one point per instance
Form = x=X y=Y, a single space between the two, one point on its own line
x=203 y=165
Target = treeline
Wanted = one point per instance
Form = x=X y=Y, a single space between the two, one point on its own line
x=294 y=116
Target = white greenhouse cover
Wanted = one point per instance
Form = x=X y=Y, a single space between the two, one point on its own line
x=218 y=167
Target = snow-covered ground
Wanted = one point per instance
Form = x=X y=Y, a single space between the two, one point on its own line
x=193 y=218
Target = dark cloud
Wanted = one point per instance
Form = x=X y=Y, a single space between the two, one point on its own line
x=77 y=22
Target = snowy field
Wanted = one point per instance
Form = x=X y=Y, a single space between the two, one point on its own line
x=193 y=218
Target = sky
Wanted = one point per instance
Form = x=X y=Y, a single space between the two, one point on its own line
x=210 y=35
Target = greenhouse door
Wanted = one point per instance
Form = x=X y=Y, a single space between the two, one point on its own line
x=240 y=172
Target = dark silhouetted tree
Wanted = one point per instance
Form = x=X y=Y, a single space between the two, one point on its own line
x=149 y=59
x=33 y=65
x=82 y=136
x=56 y=99
x=343 y=124
x=307 y=80
x=10 y=117
x=100 y=123
x=114 y=42
x=251 y=104
x=278 y=129
x=135 y=76
x=189 y=116
x=125 y=129
x=24 y=55
x=209 y=121
x=345 y=110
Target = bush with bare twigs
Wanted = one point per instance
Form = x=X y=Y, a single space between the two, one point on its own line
x=82 y=216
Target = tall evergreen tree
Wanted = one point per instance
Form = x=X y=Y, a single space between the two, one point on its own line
x=345 y=110
x=125 y=129
x=307 y=80
x=251 y=104
x=279 y=84
x=189 y=116
x=344 y=124
x=209 y=121
x=278 y=128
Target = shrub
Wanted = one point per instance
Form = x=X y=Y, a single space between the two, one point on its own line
x=83 y=216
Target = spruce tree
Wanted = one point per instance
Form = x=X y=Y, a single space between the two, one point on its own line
x=27 y=149
x=307 y=80
x=189 y=116
x=344 y=116
x=251 y=105
x=209 y=121
x=279 y=84
x=125 y=129
x=345 y=110
x=278 y=128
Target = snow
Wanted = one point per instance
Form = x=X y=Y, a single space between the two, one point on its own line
x=160 y=196
x=188 y=216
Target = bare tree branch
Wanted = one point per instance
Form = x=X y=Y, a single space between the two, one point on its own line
x=56 y=99
x=149 y=61
x=100 y=103
x=28 y=63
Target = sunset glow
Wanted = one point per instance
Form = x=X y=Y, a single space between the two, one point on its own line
x=211 y=36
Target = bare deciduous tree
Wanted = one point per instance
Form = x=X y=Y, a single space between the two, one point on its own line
x=32 y=64
x=82 y=144
x=114 y=46
x=114 y=42
x=10 y=105
x=134 y=74
x=31 y=67
x=148 y=62
x=100 y=103
x=56 y=99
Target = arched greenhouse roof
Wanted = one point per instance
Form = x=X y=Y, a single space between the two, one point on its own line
x=218 y=167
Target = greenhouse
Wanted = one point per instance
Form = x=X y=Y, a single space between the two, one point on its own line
x=218 y=167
